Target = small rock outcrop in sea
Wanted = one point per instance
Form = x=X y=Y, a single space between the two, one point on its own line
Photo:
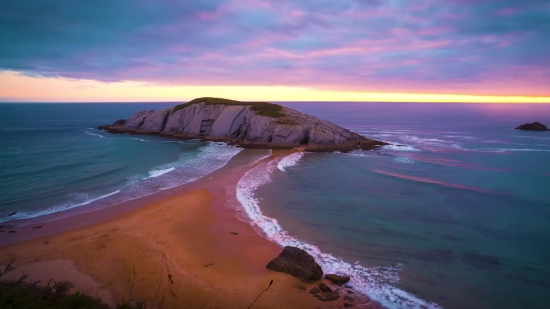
x=247 y=124
x=535 y=126
x=337 y=279
x=298 y=263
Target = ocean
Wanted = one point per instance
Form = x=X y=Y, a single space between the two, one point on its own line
x=53 y=159
x=454 y=214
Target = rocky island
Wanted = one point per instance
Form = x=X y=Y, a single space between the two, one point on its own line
x=247 y=124
x=535 y=126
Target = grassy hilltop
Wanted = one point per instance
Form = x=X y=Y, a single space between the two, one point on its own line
x=263 y=108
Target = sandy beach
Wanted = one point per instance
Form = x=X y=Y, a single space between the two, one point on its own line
x=187 y=247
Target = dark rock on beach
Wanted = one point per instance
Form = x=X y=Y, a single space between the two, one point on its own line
x=11 y=214
x=37 y=227
x=298 y=263
x=328 y=296
x=337 y=279
x=346 y=305
x=349 y=298
x=314 y=290
x=300 y=287
x=325 y=288
x=535 y=126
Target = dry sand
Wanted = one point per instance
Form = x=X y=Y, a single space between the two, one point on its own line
x=185 y=237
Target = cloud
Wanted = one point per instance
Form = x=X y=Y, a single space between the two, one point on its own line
x=371 y=45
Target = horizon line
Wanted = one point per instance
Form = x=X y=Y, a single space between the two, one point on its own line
x=269 y=101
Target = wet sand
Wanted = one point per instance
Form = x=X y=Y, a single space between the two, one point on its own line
x=186 y=245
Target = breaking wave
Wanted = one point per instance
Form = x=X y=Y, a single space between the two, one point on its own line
x=289 y=161
x=400 y=148
x=157 y=173
x=87 y=199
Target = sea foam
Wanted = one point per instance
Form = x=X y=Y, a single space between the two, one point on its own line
x=400 y=148
x=513 y=150
x=157 y=173
x=93 y=134
x=58 y=208
x=141 y=140
x=375 y=282
x=289 y=161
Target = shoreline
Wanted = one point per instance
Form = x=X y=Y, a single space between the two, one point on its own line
x=190 y=229
x=76 y=218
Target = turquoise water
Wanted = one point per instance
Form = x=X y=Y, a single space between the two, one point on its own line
x=458 y=216
x=455 y=214
x=52 y=159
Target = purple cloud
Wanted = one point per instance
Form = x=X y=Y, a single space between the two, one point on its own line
x=478 y=47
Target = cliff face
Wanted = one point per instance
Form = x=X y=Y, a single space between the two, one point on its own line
x=244 y=125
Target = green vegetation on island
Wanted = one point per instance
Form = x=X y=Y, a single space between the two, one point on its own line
x=262 y=108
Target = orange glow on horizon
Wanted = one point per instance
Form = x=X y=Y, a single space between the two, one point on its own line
x=18 y=88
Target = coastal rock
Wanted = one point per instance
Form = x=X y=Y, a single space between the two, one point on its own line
x=314 y=290
x=328 y=296
x=325 y=288
x=249 y=125
x=346 y=305
x=371 y=144
x=298 y=263
x=535 y=126
x=349 y=298
x=337 y=279
x=119 y=122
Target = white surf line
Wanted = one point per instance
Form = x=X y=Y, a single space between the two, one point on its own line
x=55 y=209
x=94 y=134
x=374 y=282
x=289 y=161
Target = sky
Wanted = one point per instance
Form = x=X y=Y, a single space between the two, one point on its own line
x=280 y=50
